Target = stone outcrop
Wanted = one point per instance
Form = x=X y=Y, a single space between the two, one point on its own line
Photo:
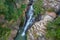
x=53 y=4
x=38 y=30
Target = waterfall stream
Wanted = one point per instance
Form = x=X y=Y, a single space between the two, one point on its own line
x=28 y=23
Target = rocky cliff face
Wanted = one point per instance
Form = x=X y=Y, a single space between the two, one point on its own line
x=38 y=30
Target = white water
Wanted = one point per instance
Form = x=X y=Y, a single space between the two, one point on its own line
x=29 y=21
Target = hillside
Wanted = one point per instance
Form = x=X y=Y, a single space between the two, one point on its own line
x=39 y=19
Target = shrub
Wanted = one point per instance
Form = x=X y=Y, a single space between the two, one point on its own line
x=53 y=29
x=38 y=7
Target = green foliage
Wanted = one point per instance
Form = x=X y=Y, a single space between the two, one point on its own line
x=53 y=29
x=3 y=7
x=11 y=12
x=22 y=8
x=9 y=9
x=4 y=33
x=38 y=7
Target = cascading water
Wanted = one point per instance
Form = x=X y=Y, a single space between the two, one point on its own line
x=28 y=23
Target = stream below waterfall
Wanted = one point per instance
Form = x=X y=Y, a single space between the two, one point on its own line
x=22 y=32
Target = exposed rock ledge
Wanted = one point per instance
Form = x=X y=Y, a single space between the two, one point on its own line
x=38 y=30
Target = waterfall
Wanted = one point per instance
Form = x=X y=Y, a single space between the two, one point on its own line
x=29 y=21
